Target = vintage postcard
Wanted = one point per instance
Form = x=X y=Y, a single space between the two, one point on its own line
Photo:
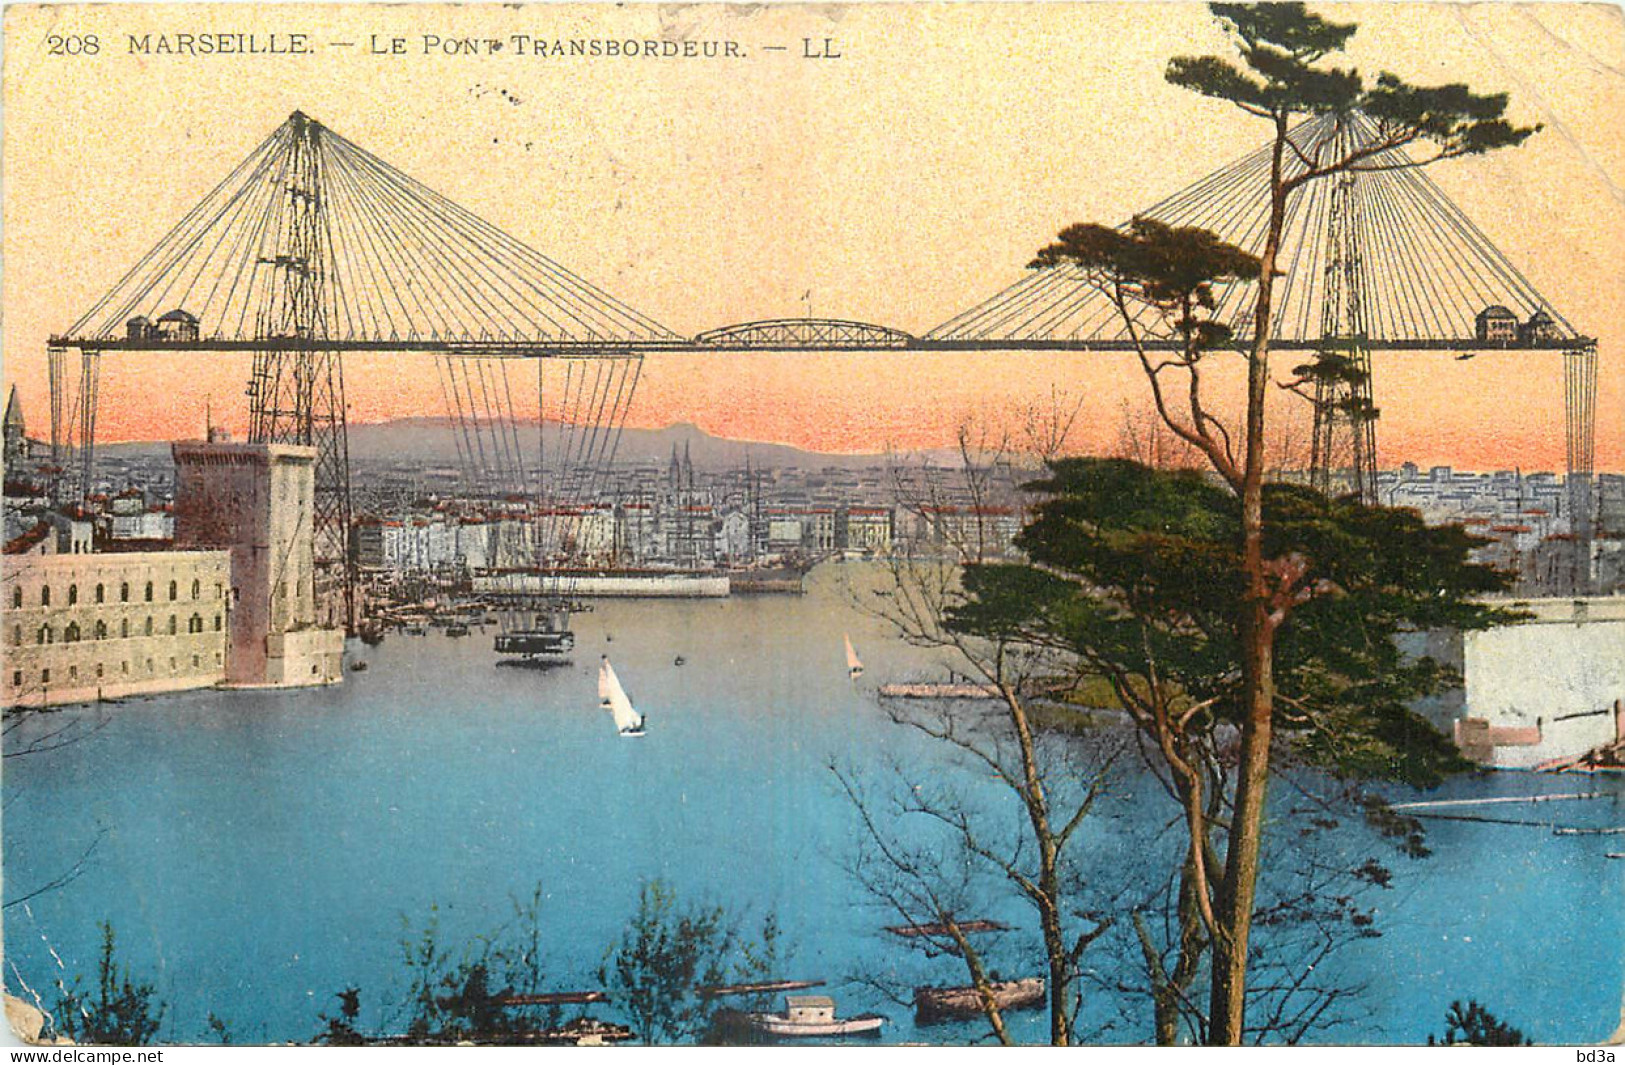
x=921 y=523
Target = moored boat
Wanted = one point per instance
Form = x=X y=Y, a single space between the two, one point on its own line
x=813 y=1017
x=854 y=665
x=933 y=1004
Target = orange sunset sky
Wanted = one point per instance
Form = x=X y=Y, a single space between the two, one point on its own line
x=901 y=183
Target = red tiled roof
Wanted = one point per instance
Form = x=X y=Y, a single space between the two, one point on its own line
x=21 y=545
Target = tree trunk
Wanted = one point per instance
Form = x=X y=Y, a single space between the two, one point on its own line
x=978 y=979
x=1235 y=912
x=1048 y=900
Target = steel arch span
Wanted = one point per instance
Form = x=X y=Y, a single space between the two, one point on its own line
x=822 y=334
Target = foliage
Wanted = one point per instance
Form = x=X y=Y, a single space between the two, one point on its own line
x=121 y=1013
x=1282 y=49
x=928 y=854
x=341 y=1031
x=668 y=952
x=1136 y=571
x=1473 y=1025
x=1135 y=575
x=463 y=1000
x=662 y=959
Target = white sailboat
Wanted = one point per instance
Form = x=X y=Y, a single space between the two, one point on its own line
x=603 y=683
x=854 y=665
x=628 y=722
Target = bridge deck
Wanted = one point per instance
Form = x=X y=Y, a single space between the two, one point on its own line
x=596 y=349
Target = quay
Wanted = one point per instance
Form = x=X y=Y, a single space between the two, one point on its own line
x=649 y=585
x=927 y=690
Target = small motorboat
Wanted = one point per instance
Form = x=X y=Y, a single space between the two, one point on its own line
x=813 y=1017
x=933 y=1004
x=679 y=660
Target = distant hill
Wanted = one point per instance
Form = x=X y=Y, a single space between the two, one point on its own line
x=429 y=442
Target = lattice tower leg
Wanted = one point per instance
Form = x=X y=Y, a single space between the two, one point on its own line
x=1323 y=444
x=1364 y=430
x=1580 y=411
x=1343 y=451
x=61 y=438
x=298 y=398
x=90 y=368
x=73 y=423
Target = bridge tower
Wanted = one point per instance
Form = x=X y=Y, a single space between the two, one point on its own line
x=1343 y=454
x=296 y=389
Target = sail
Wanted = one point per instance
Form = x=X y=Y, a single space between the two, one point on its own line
x=854 y=665
x=603 y=682
x=626 y=718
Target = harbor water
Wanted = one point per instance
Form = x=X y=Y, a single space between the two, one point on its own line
x=257 y=852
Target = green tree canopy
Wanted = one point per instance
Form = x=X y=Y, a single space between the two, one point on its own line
x=1137 y=572
x=1282 y=72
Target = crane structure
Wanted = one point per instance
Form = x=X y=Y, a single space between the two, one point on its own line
x=313 y=248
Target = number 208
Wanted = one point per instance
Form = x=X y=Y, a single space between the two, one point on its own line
x=74 y=44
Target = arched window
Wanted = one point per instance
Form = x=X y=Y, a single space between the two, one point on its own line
x=45 y=634
x=71 y=633
x=217 y=623
x=124 y=591
x=195 y=624
x=172 y=628
x=101 y=630
x=149 y=591
x=197 y=588
x=73 y=594
x=174 y=591
x=101 y=594
x=149 y=627
x=45 y=596
x=124 y=628
x=17 y=596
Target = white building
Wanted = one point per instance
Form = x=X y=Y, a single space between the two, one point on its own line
x=1538 y=690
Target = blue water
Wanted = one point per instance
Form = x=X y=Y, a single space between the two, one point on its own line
x=260 y=851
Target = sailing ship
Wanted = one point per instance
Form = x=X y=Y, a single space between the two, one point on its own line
x=628 y=722
x=603 y=683
x=854 y=665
